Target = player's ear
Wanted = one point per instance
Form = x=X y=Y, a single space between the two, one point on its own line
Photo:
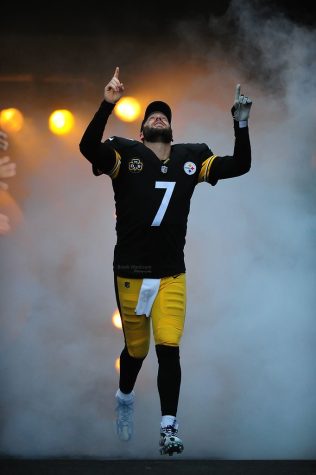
x=141 y=136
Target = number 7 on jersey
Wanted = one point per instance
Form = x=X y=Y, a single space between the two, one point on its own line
x=169 y=186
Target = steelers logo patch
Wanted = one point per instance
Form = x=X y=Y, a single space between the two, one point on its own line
x=189 y=168
x=135 y=165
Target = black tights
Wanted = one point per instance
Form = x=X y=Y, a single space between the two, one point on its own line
x=129 y=369
x=168 y=379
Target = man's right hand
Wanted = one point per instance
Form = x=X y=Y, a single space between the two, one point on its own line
x=113 y=91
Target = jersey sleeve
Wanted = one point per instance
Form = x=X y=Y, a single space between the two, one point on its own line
x=229 y=166
x=102 y=155
x=207 y=162
x=102 y=167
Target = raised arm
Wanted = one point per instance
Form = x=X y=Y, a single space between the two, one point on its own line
x=101 y=155
x=240 y=162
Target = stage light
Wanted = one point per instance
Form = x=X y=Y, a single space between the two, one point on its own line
x=11 y=120
x=127 y=109
x=116 y=319
x=117 y=364
x=61 y=122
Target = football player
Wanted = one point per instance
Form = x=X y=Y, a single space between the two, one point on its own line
x=153 y=181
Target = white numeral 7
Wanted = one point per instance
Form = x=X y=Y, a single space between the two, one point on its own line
x=169 y=185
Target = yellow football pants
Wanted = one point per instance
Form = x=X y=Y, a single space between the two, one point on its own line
x=167 y=313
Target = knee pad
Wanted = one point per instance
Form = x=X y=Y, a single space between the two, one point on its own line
x=138 y=348
x=139 y=352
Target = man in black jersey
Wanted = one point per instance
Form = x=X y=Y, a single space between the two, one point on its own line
x=153 y=182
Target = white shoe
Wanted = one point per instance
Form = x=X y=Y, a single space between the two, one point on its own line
x=124 y=418
x=169 y=442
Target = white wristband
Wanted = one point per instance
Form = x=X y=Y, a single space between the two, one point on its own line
x=243 y=123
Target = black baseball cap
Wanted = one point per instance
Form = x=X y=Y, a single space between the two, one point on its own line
x=157 y=106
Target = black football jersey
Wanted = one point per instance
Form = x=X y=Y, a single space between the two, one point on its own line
x=152 y=200
x=152 y=197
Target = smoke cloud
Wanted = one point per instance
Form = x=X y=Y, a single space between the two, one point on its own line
x=248 y=351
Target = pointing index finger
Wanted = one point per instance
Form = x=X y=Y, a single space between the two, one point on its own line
x=117 y=71
x=237 y=93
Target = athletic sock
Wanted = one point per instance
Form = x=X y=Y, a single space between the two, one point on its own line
x=168 y=421
x=127 y=398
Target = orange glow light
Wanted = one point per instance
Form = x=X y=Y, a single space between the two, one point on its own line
x=117 y=364
x=61 y=122
x=116 y=319
x=11 y=120
x=127 y=109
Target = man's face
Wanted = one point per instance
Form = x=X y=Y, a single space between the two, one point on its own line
x=157 y=129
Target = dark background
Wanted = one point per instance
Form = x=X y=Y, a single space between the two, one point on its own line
x=130 y=18
x=62 y=52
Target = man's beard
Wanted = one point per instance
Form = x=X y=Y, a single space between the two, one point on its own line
x=152 y=134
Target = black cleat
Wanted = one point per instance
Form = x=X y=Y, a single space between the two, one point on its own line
x=169 y=442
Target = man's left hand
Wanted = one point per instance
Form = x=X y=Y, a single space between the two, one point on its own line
x=241 y=107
